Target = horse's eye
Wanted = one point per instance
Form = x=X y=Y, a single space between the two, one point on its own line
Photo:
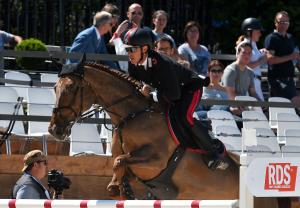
x=71 y=88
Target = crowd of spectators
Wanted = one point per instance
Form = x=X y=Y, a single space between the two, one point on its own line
x=242 y=77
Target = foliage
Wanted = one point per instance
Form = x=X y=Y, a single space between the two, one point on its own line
x=31 y=44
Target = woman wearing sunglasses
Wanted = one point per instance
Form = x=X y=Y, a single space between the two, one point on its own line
x=172 y=85
x=214 y=90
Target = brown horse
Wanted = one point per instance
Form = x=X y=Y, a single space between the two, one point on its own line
x=142 y=141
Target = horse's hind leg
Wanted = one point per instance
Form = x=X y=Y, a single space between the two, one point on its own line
x=263 y=202
x=284 y=202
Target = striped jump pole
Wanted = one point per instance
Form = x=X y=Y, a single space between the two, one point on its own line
x=29 y=203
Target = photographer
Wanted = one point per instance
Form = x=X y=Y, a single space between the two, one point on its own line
x=29 y=186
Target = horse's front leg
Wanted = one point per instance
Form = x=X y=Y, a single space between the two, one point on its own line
x=119 y=169
x=116 y=146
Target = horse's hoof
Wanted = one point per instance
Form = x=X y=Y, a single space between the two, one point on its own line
x=113 y=190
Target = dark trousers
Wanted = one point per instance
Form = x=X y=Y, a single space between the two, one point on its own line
x=283 y=87
x=184 y=109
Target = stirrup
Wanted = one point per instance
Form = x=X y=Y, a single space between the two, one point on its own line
x=217 y=164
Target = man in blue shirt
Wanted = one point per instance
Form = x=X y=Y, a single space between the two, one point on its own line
x=91 y=39
x=7 y=38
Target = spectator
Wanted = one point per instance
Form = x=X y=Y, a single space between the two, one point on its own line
x=214 y=90
x=160 y=19
x=115 y=13
x=174 y=85
x=238 y=78
x=164 y=45
x=29 y=186
x=91 y=39
x=283 y=50
x=135 y=14
x=251 y=29
x=198 y=55
x=7 y=38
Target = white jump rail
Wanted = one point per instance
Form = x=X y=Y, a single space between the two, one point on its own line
x=29 y=203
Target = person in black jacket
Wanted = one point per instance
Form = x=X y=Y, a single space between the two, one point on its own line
x=29 y=186
x=174 y=86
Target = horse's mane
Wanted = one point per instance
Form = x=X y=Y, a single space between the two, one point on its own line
x=119 y=74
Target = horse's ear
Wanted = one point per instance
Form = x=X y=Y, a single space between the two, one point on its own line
x=74 y=68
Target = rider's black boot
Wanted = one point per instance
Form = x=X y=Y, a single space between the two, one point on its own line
x=216 y=149
x=219 y=159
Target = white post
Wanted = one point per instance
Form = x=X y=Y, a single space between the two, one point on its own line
x=246 y=198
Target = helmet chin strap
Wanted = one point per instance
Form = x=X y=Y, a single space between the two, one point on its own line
x=142 y=55
x=250 y=32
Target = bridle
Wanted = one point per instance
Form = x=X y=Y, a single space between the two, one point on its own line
x=57 y=109
x=80 y=115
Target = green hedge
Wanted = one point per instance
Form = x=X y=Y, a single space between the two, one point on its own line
x=31 y=44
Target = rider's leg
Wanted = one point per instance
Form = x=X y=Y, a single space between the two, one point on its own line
x=215 y=147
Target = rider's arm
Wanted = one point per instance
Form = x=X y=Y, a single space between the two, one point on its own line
x=170 y=86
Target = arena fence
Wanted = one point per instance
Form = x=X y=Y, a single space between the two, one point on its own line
x=245 y=198
x=57 y=52
x=24 y=203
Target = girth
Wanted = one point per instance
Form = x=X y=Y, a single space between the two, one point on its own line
x=162 y=186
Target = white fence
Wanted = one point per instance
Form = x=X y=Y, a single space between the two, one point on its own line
x=28 y=203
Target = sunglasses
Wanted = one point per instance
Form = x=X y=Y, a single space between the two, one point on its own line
x=164 y=49
x=43 y=161
x=131 y=49
x=116 y=16
x=283 y=22
x=216 y=70
x=137 y=13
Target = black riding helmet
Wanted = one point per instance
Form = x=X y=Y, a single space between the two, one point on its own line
x=250 y=24
x=139 y=37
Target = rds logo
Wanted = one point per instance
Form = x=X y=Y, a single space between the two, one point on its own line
x=281 y=177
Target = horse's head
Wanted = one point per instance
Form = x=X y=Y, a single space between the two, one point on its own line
x=73 y=96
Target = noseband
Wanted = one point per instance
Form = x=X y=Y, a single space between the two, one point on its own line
x=57 y=109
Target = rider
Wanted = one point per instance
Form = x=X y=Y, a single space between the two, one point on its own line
x=175 y=85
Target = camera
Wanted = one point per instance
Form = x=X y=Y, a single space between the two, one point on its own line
x=58 y=181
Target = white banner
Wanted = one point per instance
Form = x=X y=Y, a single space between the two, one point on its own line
x=274 y=177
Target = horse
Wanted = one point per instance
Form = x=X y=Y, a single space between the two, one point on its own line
x=142 y=144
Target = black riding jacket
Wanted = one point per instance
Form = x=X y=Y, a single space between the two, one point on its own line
x=164 y=74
